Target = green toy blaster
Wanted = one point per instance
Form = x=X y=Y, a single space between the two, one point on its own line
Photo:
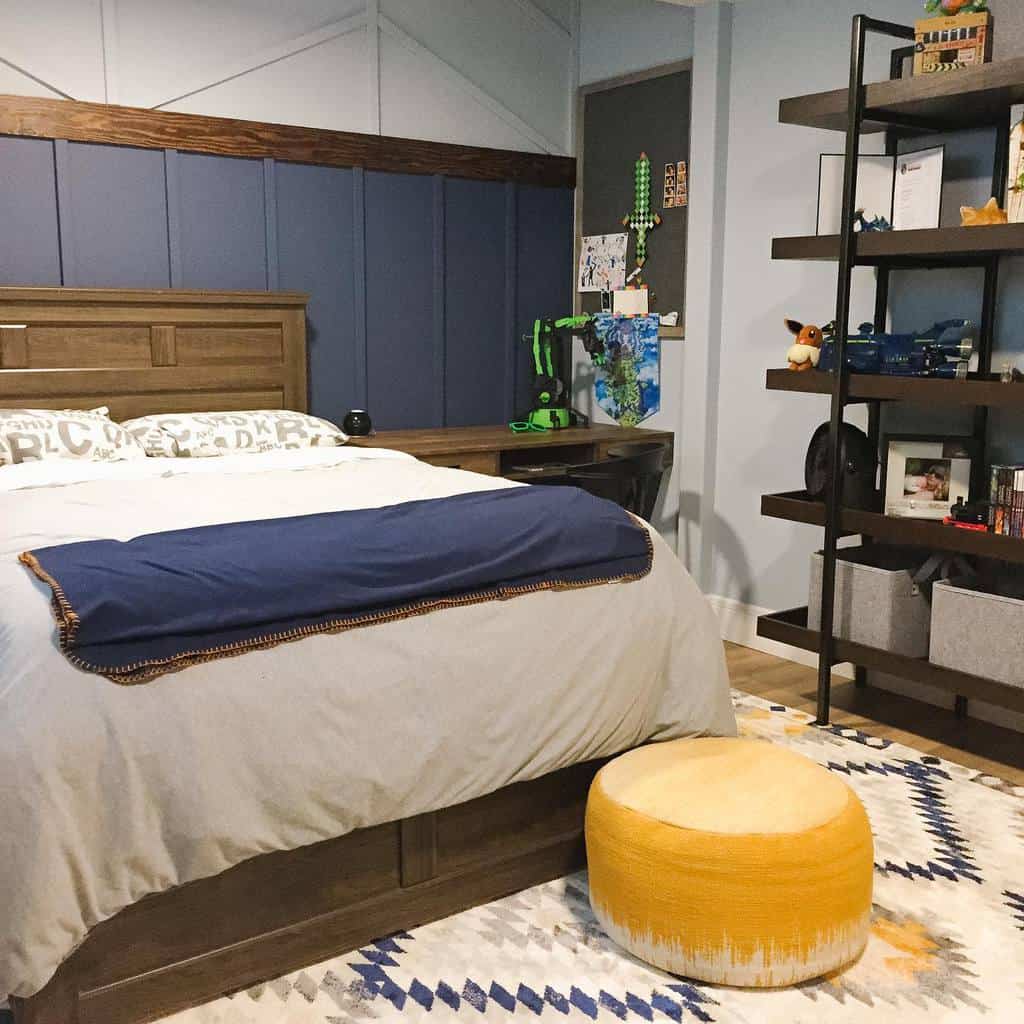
x=552 y=366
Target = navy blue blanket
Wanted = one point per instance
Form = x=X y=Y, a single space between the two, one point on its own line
x=134 y=610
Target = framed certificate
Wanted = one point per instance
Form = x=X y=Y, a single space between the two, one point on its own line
x=917 y=197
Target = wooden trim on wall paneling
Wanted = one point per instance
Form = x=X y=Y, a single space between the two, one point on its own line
x=42 y=118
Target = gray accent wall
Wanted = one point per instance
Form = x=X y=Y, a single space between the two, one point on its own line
x=420 y=287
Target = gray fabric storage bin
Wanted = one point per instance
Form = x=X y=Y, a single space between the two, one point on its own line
x=877 y=602
x=978 y=632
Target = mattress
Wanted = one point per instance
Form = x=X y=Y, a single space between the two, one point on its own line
x=110 y=793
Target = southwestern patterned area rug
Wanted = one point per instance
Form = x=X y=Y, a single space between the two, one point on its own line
x=947 y=941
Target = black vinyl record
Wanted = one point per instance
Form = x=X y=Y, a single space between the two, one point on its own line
x=859 y=459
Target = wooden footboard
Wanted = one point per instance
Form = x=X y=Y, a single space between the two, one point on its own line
x=282 y=911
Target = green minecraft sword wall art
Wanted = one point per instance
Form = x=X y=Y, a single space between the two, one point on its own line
x=643 y=219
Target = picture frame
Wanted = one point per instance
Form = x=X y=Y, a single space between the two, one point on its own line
x=876 y=181
x=917 y=189
x=923 y=476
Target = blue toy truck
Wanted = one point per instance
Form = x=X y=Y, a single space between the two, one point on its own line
x=944 y=351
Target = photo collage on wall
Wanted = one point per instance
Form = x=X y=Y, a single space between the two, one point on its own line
x=676 y=187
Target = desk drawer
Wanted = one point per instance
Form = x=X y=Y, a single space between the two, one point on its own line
x=473 y=462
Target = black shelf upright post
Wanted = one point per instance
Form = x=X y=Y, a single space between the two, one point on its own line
x=882 y=277
x=862 y=24
x=986 y=334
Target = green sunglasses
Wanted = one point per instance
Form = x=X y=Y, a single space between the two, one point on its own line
x=527 y=428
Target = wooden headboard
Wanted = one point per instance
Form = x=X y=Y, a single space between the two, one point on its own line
x=148 y=351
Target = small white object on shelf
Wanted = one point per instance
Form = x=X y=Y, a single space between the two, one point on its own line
x=630 y=301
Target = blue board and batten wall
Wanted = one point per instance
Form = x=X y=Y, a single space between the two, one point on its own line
x=421 y=286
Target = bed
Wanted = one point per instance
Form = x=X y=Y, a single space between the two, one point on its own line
x=164 y=844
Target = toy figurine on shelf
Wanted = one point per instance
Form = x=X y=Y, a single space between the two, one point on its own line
x=943 y=351
x=974 y=217
x=806 y=351
x=876 y=224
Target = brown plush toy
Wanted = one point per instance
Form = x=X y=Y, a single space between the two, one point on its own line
x=805 y=353
x=971 y=217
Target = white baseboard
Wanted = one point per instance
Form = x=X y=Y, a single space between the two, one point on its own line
x=738 y=623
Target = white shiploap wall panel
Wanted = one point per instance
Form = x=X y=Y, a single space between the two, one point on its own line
x=561 y=11
x=328 y=83
x=166 y=49
x=485 y=72
x=509 y=50
x=420 y=99
x=58 y=41
x=13 y=81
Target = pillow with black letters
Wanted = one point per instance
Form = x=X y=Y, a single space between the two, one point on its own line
x=204 y=434
x=32 y=435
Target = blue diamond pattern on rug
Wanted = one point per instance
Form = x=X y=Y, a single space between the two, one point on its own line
x=946 y=945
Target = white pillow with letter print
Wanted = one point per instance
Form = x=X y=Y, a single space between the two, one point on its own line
x=205 y=434
x=33 y=435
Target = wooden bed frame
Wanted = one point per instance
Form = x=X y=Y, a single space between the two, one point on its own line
x=153 y=351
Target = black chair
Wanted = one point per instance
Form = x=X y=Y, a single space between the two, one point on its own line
x=648 y=461
x=630 y=476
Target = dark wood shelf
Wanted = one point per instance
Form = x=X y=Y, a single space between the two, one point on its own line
x=969 y=98
x=928 y=248
x=975 y=390
x=796 y=507
x=790 y=627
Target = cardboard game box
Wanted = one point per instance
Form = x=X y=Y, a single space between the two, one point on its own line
x=952 y=43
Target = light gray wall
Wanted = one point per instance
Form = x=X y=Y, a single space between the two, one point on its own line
x=621 y=36
x=782 y=48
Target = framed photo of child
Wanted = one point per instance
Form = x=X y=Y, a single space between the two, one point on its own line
x=923 y=477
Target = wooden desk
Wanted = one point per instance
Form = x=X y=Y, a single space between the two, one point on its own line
x=497 y=451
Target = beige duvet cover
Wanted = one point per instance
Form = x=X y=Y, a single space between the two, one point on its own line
x=109 y=793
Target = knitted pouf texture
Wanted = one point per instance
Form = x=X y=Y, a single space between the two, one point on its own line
x=730 y=861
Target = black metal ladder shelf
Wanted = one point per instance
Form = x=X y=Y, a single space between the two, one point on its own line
x=900 y=107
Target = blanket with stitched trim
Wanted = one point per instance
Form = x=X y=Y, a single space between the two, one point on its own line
x=134 y=610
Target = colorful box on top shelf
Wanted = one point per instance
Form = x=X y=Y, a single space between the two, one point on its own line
x=950 y=44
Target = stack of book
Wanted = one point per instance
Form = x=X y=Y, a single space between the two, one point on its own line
x=1006 y=501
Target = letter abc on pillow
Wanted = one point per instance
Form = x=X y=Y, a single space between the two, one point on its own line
x=208 y=434
x=32 y=435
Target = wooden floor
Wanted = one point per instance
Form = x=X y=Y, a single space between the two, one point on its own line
x=931 y=730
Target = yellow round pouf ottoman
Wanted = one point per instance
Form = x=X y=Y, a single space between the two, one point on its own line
x=729 y=861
